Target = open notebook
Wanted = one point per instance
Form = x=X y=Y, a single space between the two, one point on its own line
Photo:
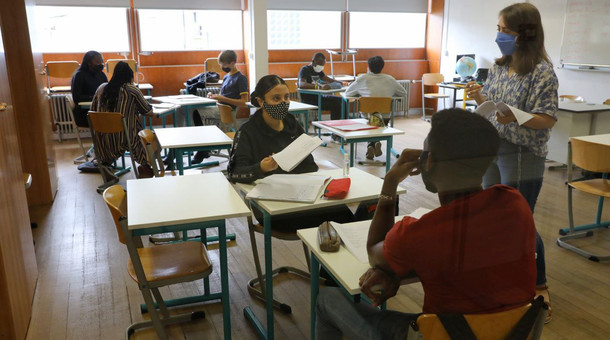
x=353 y=235
x=294 y=188
x=295 y=153
x=490 y=107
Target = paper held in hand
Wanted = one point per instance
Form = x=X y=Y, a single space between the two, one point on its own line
x=490 y=107
x=295 y=153
x=354 y=235
x=294 y=188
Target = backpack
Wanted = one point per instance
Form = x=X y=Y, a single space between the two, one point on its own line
x=199 y=81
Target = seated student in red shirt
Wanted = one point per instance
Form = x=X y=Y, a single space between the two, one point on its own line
x=473 y=254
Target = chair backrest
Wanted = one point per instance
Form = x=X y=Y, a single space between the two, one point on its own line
x=149 y=141
x=607 y=101
x=106 y=122
x=375 y=104
x=293 y=89
x=571 y=98
x=431 y=79
x=60 y=69
x=212 y=65
x=111 y=63
x=590 y=156
x=226 y=113
x=116 y=200
x=490 y=326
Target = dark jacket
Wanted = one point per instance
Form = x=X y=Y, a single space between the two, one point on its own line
x=255 y=140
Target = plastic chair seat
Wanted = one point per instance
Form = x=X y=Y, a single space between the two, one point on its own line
x=598 y=186
x=171 y=261
x=231 y=134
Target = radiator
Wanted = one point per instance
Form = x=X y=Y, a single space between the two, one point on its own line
x=63 y=119
x=402 y=104
x=204 y=92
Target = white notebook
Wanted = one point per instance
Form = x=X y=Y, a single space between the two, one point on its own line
x=295 y=153
x=294 y=188
x=354 y=235
x=490 y=107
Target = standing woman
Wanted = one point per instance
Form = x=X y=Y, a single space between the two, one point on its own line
x=87 y=78
x=523 y=78
x=120 y=95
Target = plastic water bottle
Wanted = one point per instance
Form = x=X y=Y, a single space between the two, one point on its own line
x=346 y=165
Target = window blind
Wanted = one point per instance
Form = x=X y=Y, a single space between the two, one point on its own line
x=188 y=4
x=403 y=6
x=84 y=3
x=312 y=5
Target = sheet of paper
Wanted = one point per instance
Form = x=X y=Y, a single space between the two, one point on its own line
x=354 y=235
x=295 y=153
x=163 y=105
x=295 y=188
x=489 y=107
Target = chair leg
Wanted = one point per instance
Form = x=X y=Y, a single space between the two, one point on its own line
x=160 y=302
x=306 y=251
x=154 y=315
x=79 y=159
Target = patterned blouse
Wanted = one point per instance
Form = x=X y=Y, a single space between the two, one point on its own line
x=535 y=92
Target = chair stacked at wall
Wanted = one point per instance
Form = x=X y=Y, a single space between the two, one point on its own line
x=109 y=123
x=157 y=266
x=256 y=286
x=370 y=105
x=525 y=322
x=431 y=79
x=594 y=157
x=62 y=70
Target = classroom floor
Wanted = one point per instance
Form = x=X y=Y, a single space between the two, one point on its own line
x=84 y=291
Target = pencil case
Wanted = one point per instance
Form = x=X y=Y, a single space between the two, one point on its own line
x=328 y=238
x=337 y=188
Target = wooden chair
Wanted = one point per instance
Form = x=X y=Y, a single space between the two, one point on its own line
x=571 y=98
x=256 y=286
x=111 y=63
x=157 y=266
x=226 y=119
x=293 y=89
x=71 y=105
x=489 y=326
x=60 y=69
x=431 y=79
x=593 y=157
x=212 y=65
x=369 y=105
x=607 y=101
x=109 y=122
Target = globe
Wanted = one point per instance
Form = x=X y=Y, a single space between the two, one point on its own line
x=466 y=66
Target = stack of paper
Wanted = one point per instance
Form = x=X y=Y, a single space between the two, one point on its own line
x=354 y=235
x=348 y=125
x=295 y=153
x=295 y=188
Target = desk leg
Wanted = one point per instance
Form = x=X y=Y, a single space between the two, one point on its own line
x=224 y=279
x=351 y=155
x=388 y=154
x=315 y=287
x=180 y=161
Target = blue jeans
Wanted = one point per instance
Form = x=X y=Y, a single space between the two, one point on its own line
x=518 y=167
x=337 y=316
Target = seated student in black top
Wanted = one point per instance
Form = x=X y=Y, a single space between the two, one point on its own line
x=269 y=131
x=315 y=69
x=85 y=81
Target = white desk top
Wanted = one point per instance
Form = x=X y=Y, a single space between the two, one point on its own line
x=323 y=91
x=364 y=186
x=598 y=139
x=183 y=137
x=172 y=200
x=344 y=266
x=582 y=107
x=145 y=86
x=378 y=132
x=185 y=99
x=159 y=109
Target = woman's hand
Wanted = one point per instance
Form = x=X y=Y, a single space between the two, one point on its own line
x=473 y=90
x=268 y=164
x=378 y=285
x=406 y=165
x=505 y=117
x=213 y=96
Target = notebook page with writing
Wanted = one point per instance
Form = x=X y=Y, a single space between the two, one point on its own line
x=295 y=153
x=354 y=235
x=294 y=188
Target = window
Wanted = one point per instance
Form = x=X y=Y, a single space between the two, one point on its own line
x=391 y=30
x=289 y=30
x=80 y=29
x=190 y=30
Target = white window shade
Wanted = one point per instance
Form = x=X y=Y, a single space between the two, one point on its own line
x=311 y=5
x=187 y=4
x=403 y=6
x=84 y=3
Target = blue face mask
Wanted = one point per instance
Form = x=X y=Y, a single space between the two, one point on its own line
x=506 y=43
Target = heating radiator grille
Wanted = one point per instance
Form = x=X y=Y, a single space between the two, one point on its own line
x=63 y=119
x=204 y=92
x=402 y=104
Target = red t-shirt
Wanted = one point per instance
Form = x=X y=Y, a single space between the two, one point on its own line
x=474 y=255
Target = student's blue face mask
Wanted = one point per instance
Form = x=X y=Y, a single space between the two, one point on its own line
x=506 y=43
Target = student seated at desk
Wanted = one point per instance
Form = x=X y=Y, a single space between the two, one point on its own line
x=234 y=92
x=87 y=78
x=375 y=84
x=269 y=130
x=474 y=254
x=121 y=95
x=307 y=75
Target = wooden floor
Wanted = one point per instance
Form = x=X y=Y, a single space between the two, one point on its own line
x=84 y=291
